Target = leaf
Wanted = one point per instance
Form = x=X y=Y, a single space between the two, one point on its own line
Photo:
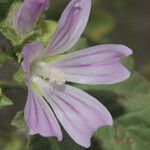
x=19 y=121
x=14 y=38
x=4 y=101
x=46 y=30
x=131 y=131
x=9 y=33
x=19 y=77
x=37 y=142
x=6 y=27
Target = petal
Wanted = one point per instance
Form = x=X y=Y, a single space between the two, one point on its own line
x=79 y=113
x=40 y=118
x=25 y=17
x=70 y=27
x=96 y=65
x=31 y=52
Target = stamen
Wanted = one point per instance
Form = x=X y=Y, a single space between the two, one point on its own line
x=48 y=73
x=56 y=77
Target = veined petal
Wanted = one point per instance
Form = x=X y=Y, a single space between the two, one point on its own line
x=79 y=113
x=96 y=65
x=40 y=118
x=31 y=52
x=25 y=17
x=70 y=27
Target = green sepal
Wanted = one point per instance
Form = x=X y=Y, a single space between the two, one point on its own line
x=46 y=30
x=4 y=101
x=19 y=77
x=19 y=121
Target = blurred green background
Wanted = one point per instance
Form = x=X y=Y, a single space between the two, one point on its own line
x=121 y=21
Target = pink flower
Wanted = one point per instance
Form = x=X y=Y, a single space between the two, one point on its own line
x=26 y=16
x=50 y=98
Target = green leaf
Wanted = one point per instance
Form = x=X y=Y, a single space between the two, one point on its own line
x=45 y=30
x=131 y=131
x=14 y=38
x=37 y=142
x=12 y=10
x=9 y=33
x=4 y=101
x=6 y=27
x=19 y=77
x=19 y=121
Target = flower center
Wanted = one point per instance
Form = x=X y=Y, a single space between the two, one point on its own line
x=49 y=73
x=56 y=77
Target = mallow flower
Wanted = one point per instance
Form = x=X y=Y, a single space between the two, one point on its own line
x=25 y=17
x=49 y=70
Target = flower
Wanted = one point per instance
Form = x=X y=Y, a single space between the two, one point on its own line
x=50 y=98
x=26 y=16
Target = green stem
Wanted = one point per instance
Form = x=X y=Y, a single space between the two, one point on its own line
x=10 y=85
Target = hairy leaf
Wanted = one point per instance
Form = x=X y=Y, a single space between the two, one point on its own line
x=19 y=122
x=4 y=101
x=19 y=77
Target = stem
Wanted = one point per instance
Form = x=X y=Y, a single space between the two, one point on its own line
x=10 y=85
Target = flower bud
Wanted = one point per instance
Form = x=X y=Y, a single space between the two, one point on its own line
x=25 y=17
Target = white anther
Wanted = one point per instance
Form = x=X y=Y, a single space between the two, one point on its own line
x=47 y=72
x=56 y=76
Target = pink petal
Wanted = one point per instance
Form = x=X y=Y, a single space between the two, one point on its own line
x=25 y=17
x=96 y=65
x=79 y=113
x=40 y=118
x=31 y=52
x=70 y=27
